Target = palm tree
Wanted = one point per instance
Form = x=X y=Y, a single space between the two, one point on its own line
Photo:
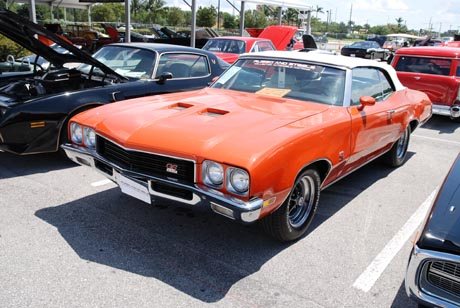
x=399 y=21
x=318 y=10
x=155 y=7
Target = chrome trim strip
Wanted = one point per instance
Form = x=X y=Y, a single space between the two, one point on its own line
x=418 y=259
x=146 y=152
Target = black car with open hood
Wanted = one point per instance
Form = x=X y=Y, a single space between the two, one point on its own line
x=35 y=104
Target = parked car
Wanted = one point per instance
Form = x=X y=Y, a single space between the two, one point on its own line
x=435 y=71
x=365 y=49
x=229 y=48
x=35 y=107
x=433 y=273
x=261 y=142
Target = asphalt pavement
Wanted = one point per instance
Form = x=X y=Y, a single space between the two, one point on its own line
x=70 y=239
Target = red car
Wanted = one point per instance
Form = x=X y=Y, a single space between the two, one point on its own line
x=435 y=71
x=229 y=48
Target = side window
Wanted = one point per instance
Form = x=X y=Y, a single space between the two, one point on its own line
x=264 y=46
x=369 y=82
x=433 y=66
x=458 y=69
x=183 y=65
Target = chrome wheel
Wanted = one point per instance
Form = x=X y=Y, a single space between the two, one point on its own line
x=401 y=147
x=301 y=201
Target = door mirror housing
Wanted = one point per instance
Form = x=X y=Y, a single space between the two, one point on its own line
x=366 y=101
x=163 y=77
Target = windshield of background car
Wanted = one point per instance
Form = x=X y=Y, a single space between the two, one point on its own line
x=288 y=79
x=433 y=66
x=126 y=61
x=366 y=44
x=228 y=46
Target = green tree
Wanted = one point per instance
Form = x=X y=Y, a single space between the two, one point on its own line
x=206 y=16
x=156 y=10
x=229 y=21
x=175 y=17
x=291 y=16
x=255 y=19
x=318 y=10
x=103 y=13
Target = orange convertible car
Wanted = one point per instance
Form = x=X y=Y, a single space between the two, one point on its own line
x=261 y=142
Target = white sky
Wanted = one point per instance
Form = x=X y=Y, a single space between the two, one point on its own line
x=416 y=13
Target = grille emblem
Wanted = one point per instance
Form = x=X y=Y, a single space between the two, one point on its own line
x=171 y=168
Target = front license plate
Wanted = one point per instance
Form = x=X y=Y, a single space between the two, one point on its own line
x=132 y=188
x=352 y=55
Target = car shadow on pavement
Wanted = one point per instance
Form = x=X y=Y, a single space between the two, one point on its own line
x=12 y=165
x=442 y=124
x=401 y=299
x=197 y=252
x=344 y=191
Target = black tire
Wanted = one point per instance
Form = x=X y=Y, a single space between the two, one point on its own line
x=397 y=155
x=291 y=220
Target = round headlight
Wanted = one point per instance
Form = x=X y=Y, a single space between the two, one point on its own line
x=89 y=137
x=239 y=179
x=214 y=173
x=76 y=133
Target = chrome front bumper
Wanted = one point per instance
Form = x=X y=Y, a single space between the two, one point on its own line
x=449 y=111
x=220 y=203
x=418 y=288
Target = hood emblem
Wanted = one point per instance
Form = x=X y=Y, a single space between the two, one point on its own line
x=171 y=168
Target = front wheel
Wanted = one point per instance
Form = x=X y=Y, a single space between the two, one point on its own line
x=398 y=153
x=291 y=220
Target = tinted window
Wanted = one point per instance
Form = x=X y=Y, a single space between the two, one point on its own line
x=301 y=81
x=183 y=65
x=369 y=82
x=432 y=66
x=365 y=44
x=126 y=61
x=263 y=46
x=225 y=45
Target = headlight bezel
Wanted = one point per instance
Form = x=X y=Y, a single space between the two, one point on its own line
x=207 y=178
x=230 y=173
x=89 y=141
x=73 y=127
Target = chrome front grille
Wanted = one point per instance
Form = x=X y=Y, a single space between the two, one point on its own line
x=445 y=275
x=146 y=163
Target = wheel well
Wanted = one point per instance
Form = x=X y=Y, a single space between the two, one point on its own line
x=323 y=167
x=63 y=129
x=413 y=125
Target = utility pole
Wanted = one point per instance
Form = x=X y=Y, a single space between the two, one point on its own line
x=351 y=12
x=218 y=14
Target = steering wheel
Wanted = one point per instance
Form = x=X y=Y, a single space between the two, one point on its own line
x=10 y=59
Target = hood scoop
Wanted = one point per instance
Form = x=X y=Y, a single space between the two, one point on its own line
x=211 y=112
x=180 y=106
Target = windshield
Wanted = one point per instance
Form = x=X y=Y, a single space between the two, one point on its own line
x=365 y=44
x=126 y=61
x=228 y=46
x=302 y=81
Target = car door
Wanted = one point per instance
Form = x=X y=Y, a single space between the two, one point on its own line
x=190 y=71
x=375 y=127
x=429 y=75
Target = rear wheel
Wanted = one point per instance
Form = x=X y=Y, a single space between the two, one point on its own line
x=398 y=153
x=291 y=220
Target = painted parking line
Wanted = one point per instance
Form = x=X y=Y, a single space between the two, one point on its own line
x=101 y=183
x=437 y=139
x=372 y=273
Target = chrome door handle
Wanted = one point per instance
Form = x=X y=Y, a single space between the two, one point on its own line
x=391 y=111
x=417 y=78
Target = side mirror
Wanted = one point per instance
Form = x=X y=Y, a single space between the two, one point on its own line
x=366 y=101
x=165 y=76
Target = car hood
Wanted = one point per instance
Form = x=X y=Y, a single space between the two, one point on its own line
x=227 y=57
x=279 y=35
x=218 y=124
x=23 y=32
x=442 y=230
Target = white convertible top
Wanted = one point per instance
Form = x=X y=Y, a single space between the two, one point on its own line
x=334 y=60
